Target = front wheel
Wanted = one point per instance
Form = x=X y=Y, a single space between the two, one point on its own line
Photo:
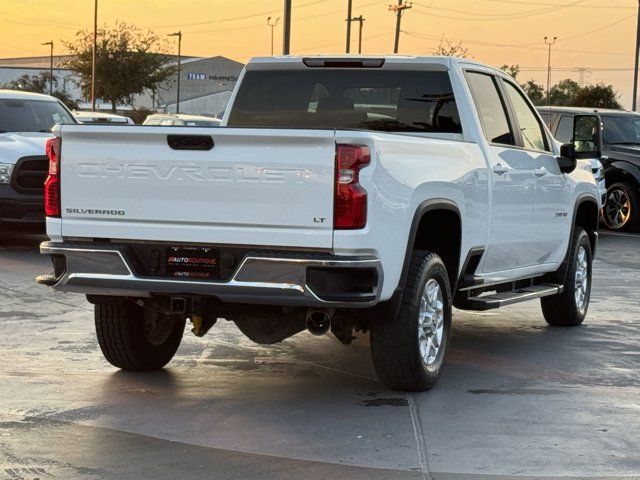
x=622 y=208
x=408 y=351
x=570 y=307
x=135 y=338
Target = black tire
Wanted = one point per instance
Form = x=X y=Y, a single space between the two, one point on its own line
x=621 y=211
x=134 y=338
x=395 y=342
x=563 y=310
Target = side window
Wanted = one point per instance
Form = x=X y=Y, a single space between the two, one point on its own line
x=532 y=132
x=565 y=129
x=490 y=108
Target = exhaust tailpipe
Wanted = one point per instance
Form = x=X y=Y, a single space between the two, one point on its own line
x=319 y=321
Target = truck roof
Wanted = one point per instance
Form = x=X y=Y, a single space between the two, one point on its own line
x=20 y=95
x=300 y=61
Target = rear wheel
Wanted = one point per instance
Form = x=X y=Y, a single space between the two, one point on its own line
x=570 y=307
x=135 y=338
x=622 y=208
x=408 y=351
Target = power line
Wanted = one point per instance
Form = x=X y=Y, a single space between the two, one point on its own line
x=564 y=39
x=514 y=2
x=504 y=45
x=231 y=19
x=261 y=24
x=501 y=16
x=340 y=43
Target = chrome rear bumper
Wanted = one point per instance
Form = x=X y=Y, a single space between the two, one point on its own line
x=276 y=280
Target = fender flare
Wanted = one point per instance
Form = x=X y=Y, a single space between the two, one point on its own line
x=560 y=275
x=391 y=306
x=422 y=209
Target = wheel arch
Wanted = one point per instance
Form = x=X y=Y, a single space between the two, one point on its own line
x=621 y=171
x=446 y=242
x=585 y=215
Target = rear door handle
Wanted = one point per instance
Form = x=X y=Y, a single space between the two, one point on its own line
x=540 y=172
x=500 y=169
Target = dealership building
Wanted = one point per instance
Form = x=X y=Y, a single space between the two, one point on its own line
x=205 y=83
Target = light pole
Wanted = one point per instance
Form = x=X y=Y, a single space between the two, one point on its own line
x=399 y=8
x=635 y=70
x=360 y=20
x=273 y=26
x=93 y=56
x=349 y=19
x=50 y=43
x=286 y=34
x=549 y=43
x=179 y=35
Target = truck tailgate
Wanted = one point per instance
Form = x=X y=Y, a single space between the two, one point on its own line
x=254 y=187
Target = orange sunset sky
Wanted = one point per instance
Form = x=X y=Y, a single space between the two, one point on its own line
x=595 y=35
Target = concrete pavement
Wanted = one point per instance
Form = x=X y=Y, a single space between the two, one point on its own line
x=518 y=399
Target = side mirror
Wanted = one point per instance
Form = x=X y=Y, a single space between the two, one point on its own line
x=567 y=159
x=587 y=136
x=587 y=142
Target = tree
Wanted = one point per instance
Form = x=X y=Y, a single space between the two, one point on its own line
x=450 y=49
x=511 y=70
x=128 y=62
x=597 y=96
x=40 y=84
x=564 y=92
x=534 y=91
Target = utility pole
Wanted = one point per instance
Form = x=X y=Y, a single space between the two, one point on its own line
x=635 y=70
x=549 y=43
x=360 y=20
x=179 y=35
x=286 y=34
x=349 y=19
x=50 y=43
x=93 y=57
x=273 y=26
x=399 y=8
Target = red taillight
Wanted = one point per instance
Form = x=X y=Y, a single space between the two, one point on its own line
x=52 y=183
x=350 y=203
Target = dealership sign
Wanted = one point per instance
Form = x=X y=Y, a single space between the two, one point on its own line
x=204 y=76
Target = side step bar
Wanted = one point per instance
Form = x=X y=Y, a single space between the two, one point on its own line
x=496 y=300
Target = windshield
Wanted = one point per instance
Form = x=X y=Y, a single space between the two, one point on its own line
x=18 y=115
x=382 y=100
x=621 y=129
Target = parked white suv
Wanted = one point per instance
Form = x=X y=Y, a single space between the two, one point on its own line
x=350 y=193
x=181 y=120
x=26 y=120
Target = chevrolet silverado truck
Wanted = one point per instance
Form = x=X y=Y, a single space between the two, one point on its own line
x=26 y=120
x=349 y=194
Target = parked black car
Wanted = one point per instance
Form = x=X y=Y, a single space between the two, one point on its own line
x=620 y=159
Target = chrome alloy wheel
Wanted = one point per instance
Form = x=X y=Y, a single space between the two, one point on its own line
x=430 y=322
x=581 y=280
x=617 y=209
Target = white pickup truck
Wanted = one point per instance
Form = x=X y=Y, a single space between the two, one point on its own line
x=350 y=193
x=26 y=120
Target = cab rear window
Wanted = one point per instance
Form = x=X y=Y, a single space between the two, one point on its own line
x=382 y=100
